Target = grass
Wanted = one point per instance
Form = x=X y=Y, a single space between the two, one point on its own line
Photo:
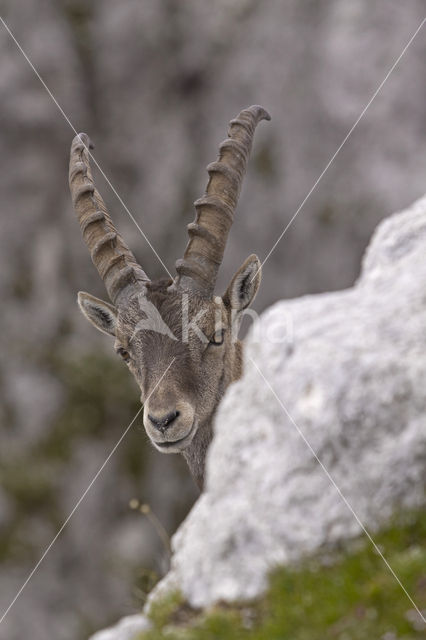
x=355 y=597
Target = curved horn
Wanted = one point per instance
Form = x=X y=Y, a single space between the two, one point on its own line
x=115 y=262
x=215 y=210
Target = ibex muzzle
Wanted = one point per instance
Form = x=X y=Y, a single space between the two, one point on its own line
x=177 y=338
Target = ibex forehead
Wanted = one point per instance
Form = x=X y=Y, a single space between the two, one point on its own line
x=174 y=314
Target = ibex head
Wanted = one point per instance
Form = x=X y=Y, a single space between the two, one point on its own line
x=176 y=337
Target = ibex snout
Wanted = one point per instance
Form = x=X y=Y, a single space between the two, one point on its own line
x=164 y=422
x=170 y=426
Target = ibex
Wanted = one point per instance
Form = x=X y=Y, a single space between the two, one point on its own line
x=179 y=400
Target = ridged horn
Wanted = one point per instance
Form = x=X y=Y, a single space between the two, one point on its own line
x=215 y=210
x=114 y=261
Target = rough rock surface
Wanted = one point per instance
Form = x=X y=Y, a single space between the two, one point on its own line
x=347 y=385
x=126 y=629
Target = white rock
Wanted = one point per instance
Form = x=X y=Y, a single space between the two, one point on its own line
x=126 y=629
x=350 y=388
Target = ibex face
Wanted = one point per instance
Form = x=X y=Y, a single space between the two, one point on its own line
x=177 y=338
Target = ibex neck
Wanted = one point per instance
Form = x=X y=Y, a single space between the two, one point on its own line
x=195 y=454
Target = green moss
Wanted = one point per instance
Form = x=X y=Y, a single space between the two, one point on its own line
x=355 y=597
x=163 y=612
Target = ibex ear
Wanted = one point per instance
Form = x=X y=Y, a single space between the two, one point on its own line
x=244 y=285
x=99 y=313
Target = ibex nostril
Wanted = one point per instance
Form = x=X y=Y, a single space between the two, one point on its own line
x=171 y=417
x=163 y=423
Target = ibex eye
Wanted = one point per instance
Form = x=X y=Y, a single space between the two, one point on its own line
x=124 y=354
x=218 y=337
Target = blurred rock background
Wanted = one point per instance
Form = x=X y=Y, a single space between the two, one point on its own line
x=154 y=83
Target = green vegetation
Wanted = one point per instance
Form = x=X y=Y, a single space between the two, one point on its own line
x=355 y=597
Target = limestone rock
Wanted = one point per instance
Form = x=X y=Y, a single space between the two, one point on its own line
x=325 y=431
x=126 y=629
